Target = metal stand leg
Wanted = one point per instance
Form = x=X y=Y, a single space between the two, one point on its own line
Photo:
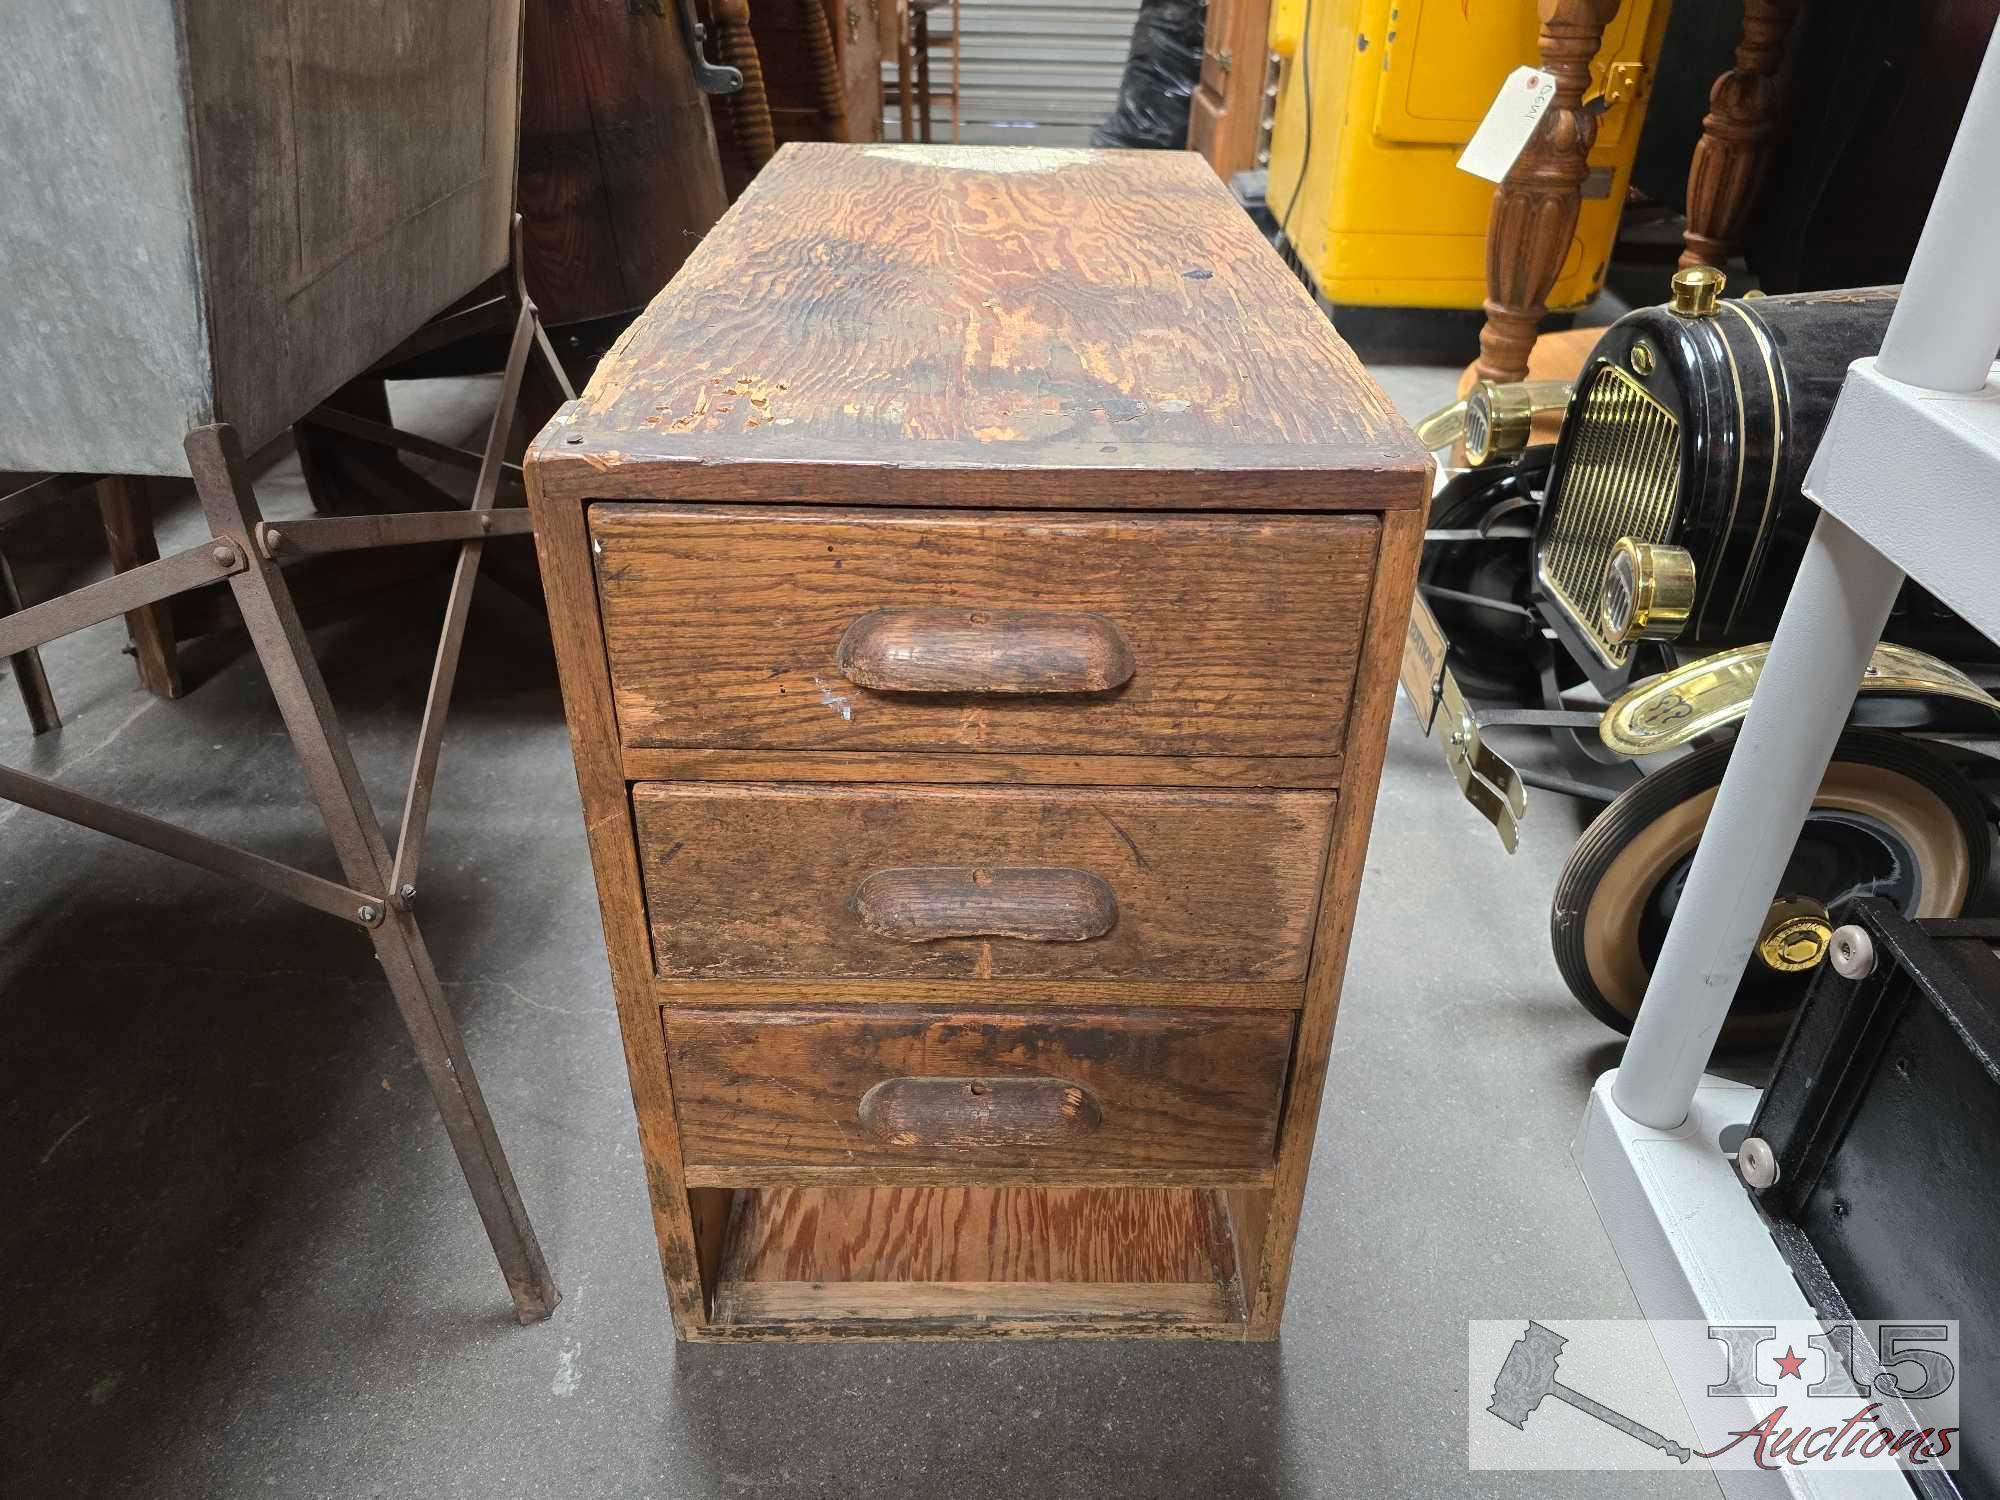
x=1831 y=623
x=216 y=457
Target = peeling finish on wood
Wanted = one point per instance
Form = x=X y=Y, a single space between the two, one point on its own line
x=917 y=1236
x=753 y=882
x=877 y=323
x=955 y=1114
x=810 y=1312
x=925 y=903
x=1181 y=1089
x=765 y=994
x=1274 y=772
x=1003 y=159
x=725 y=625
x=984 y=651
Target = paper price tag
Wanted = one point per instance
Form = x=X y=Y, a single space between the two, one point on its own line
x=1509 y=122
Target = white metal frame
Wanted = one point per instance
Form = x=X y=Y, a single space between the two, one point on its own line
x=1905 y=478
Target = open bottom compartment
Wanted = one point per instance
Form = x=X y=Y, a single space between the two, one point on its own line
x=954 y=1261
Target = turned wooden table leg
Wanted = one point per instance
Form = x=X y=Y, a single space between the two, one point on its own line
x=1534 y=210
x=127 y=508
x=1736 y=134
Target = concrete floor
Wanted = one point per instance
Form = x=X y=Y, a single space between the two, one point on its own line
x=244 y=1262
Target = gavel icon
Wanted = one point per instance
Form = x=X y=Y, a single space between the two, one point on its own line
x=1529 y=1374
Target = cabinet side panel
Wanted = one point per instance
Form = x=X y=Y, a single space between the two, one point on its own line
x=1367 y=738
x=586 y=687
x=355 y=169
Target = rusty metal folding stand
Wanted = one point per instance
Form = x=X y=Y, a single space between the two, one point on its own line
x=380 y=886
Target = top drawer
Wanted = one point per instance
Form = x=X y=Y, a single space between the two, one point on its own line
x=794 y=629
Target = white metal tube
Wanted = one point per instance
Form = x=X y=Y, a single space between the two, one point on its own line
x=1831 y=623
x=1946 y=326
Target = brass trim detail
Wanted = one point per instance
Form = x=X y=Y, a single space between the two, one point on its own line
x=1621 y=478
x=1485 y=779
x=1696 y=291
x=1675 y=707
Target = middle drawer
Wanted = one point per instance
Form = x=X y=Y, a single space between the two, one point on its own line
x=767 y=882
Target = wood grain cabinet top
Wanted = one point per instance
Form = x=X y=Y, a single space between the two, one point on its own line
x=977 y=325
x=978 y=582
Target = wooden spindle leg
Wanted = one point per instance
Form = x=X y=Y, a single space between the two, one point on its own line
x=36 y=697
x=1736 y=134
x=126 y=507
x=1534 y=210
x=920 y=44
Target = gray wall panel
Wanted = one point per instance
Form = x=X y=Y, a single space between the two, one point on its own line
x=103 y=360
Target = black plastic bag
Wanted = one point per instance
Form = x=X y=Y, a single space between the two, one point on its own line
x=1161 y=72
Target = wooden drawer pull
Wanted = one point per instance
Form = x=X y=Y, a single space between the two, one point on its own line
x=984 y=651
x=927 y=902
x=977 y=1112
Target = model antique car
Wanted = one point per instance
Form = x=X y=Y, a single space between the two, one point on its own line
x=1618 y=587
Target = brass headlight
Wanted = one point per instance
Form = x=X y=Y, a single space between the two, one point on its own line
x=1498 y=419
x=1648 y=592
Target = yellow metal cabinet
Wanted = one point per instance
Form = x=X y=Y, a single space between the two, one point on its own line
x=1382 y=216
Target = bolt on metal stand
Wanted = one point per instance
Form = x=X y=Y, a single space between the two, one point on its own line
x=381 y=884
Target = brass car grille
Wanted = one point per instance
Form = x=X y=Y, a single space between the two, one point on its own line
x=1621 y=478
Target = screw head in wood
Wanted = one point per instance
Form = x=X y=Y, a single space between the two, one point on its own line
x=1756 y=1163
x=1852 y=952
x=368 y=914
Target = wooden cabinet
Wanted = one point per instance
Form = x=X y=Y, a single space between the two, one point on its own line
x=978 y=584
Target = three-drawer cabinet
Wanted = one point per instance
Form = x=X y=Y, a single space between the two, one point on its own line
x=978 y=582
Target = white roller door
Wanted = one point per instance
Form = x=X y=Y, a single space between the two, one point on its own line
x=1032 y=72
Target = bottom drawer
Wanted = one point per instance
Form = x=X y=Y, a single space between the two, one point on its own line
x=1085 y=1091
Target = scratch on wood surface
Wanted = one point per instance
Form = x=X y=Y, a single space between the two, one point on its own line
x=1125 y=839
x=838 y=702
